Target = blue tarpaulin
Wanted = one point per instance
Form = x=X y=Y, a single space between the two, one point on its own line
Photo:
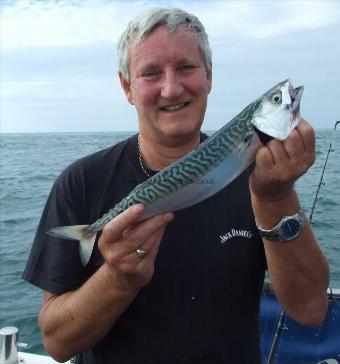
x=297 y=344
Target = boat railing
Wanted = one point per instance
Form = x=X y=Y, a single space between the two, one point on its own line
x=333 y=293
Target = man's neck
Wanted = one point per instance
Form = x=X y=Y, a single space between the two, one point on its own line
x=158 y=155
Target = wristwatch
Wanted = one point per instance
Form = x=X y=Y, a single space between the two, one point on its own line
x=289 y=228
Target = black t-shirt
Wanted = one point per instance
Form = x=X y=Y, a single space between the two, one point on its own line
x=202 y=304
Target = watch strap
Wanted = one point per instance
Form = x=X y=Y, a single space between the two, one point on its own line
x=278 y=233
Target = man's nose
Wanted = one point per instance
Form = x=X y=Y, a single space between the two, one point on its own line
x=172 y=86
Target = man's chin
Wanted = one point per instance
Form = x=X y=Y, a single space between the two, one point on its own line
x=179 y=134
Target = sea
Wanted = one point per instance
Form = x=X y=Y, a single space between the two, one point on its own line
x=29 y=164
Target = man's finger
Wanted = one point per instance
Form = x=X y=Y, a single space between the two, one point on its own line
x=294 y=145
x=115 y=228
x=138 y=236
x=307 y=135
x=264 y=158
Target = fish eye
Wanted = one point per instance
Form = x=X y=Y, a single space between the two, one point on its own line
x=276 y=98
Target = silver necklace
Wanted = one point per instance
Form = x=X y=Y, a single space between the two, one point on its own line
x=140 y=159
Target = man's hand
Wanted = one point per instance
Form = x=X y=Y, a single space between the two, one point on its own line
x=120 y=240
x=280 y=163
x=100 y=301
x=300 y=288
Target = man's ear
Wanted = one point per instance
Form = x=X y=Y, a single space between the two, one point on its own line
x=209 y=77
x=126 y=87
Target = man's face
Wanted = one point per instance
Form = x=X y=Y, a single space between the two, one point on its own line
x=169 y=84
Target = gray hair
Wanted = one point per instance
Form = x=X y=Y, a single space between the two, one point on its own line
x=140 y=27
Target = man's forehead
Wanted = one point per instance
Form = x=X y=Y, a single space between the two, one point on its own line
x=158 y=30
x=182 y=45
x=162 y=36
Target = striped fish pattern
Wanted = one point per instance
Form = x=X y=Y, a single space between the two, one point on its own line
x=190 y=169
x=198 y=175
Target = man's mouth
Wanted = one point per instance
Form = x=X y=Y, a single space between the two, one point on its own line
x=175 y=107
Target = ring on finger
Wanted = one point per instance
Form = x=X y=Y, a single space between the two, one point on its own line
x=141 y=253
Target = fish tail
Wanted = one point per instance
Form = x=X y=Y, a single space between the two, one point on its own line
x=77 y=232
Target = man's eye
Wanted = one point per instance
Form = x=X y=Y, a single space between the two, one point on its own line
x=151 y=74
x=187 y=68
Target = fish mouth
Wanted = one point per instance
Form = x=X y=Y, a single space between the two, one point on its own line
x=296 y=94
x=264 y=138
x=296 y=98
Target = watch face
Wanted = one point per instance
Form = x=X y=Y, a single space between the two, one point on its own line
x=290 y=228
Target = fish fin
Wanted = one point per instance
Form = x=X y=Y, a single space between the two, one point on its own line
x=77 y=232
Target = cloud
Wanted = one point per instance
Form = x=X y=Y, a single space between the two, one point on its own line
x=59 y=73
x=29 y=23
x=266 y=19
x=65 y=23
x=298 y=17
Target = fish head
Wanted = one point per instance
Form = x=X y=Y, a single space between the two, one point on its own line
x=277 y=112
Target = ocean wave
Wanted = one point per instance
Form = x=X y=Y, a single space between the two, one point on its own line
x=17 y=220
x=30 y=164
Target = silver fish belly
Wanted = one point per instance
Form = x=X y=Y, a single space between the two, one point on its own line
x=198 y=175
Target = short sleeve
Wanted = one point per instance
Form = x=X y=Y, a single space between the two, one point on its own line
x=54 y=263
x=78 y=197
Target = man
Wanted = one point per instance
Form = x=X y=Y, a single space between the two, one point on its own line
x=169 y=290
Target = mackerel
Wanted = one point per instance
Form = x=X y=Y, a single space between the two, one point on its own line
x=207 y=169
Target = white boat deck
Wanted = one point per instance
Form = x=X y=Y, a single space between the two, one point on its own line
x=27 y=358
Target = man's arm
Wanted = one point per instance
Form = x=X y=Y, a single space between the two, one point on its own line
x=298 y=269
x=75 y=321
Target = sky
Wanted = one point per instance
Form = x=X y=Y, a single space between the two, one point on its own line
x=59 y=68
